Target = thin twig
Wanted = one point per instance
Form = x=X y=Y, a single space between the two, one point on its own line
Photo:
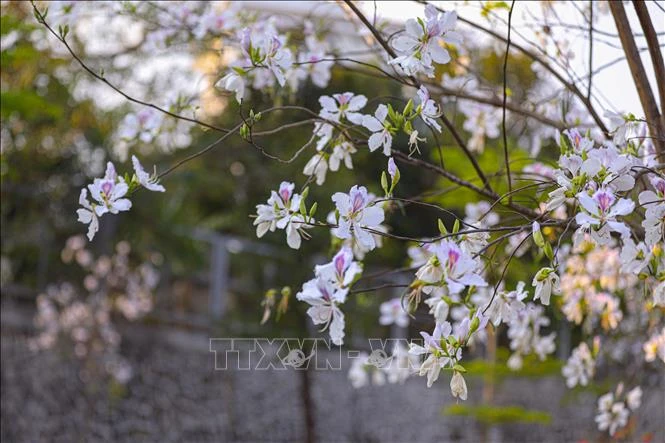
x=506 y=158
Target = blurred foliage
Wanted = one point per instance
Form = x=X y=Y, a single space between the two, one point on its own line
x=531 y=367
x=490 y=415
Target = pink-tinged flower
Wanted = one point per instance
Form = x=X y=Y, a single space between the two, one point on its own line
x=578 y=141
x=342 y=270
x=150 y=182
x=281 y=212
x=429 y=111
x=87 y=214
x=341 y=106
x=356 y=216
x=109 y=193
x=379 y=126
x=325 y=298
x=459 y=268
x=422 y=43
x=602 y=208
x=392 y=312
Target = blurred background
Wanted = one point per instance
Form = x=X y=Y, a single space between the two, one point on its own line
x=109 y=340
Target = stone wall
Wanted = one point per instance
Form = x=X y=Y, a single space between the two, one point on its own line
x=176 y=395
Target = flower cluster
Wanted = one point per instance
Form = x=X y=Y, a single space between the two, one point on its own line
x=378 y=367
x=525 y=338
x=613 y=412
x=328 y=290
x=282 y=211
x=580 y=367
x=423 y=40
x=357 y=217
x=83 y=317
x=333 y=147
x=109 y=195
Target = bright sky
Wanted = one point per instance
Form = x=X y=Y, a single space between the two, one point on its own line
x=615 y=83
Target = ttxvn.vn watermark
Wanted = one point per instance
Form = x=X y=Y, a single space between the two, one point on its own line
x=262 y=354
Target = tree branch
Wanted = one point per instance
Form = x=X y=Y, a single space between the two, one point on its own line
x=639 y=76
x=506 y=159
x=654 y=51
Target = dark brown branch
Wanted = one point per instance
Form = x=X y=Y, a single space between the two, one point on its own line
x=588 y=91
x=654 y=51
x=639 y=76
x=506 y=158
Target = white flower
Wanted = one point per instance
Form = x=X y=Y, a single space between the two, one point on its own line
x=436 y=359
x=506 y=305
x=480 y=215
x=357 y=373
x=413 y=141
x=355 y=216
x=393 y=313
x=439 y=308
x=618 y=125
x=515 y=362
x=381 y=135
x=546 y=282
x=601 y=210
x=109 y=192
x=318 y=167
x=634 y=398
x=392 y=168
x=87 y=214
x=401 y=364
x=580 y=143
x=611 y=416
x=482 y=122
x=655 y=347
x=150 y=182
x=281 y=212
x=316 y=65
x=580 y=367
x=362 y=367
x=214 y=22
x=235 y=82
x=654 y=217
x=325 y=298
x=458 y=386
x=342 y=270
x=341 y=106
x=422 y=43
x=429 y=111
x=277 y=58
x=634 y=257
x=459 y=268
x=341 y=153
x=145 y=124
